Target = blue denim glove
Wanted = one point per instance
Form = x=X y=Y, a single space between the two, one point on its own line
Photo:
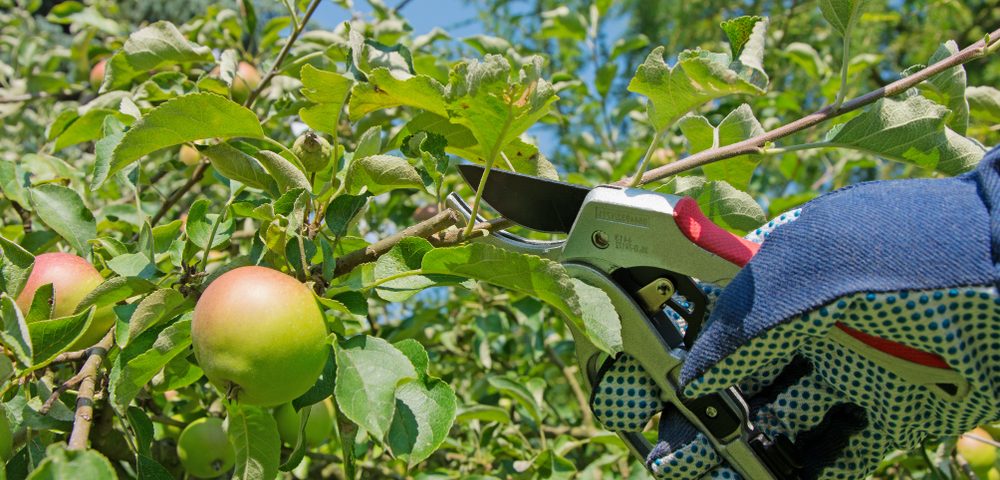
x=865 y=325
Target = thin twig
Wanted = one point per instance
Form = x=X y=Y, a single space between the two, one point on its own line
x=69 y=357
x=196 y=176
x=25 y=216
x=85 y=398
x=276 y=67
x=754 y=145
x=370 y=253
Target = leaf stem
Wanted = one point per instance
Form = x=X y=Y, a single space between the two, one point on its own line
x=754 y=145
x=637 y=178
x=846 y=59
x=215 y=226
x=276 y=67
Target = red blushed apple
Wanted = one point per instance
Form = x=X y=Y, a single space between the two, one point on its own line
x=97 y=72
x=72 y=278
x=247 y=78
x=259 y=336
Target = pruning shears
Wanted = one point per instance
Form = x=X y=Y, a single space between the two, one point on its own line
x=643 y=249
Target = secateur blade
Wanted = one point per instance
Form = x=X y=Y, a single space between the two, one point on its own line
x=536 y=203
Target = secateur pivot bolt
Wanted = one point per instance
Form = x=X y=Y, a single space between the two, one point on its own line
x=600 y=239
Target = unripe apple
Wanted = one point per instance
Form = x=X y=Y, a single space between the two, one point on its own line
x=72 y=278
x=993 y=474
x=980 y=455
x=318 y=426
x=97 y=72
x=204 y=448
x=259 y=336
x=190 y=156
x=313 y=151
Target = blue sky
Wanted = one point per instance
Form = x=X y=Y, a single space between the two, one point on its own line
x=455 y=16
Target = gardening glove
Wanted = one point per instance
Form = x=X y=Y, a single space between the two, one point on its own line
x=869 y=323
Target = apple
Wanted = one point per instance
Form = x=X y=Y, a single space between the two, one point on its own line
x=97 y=72
x=204 y=448
x=72 y=278
x=318 y=426
x=993 y=474
x=313 y=151
x=259 y=336
x=190 y=156
x=247 y=78
x=980 y=455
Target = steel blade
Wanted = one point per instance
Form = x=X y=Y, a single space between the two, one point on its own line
x=535 y=203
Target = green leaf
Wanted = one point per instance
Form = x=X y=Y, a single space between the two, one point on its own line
x=15 y=267
x=739 y=125
x=284 y=172
x=254 y=435
x=194 y=116
x=496 y=108
x=518 y=392
x=699 y=76
x=60 y=462
x=807 y=58
x=133 y=265
x=368 y=370
x=370 y=143
x=984 y=103
x=155 y=46
x=368 y=55
x=134 y=370
x=15 y=336
x=739 y=31
x=403 y=257
x=726 y=206
x=342 y=211
x=49 y=338
x=87 y=127
x=63 y=211
x=156 y=307
x=114 y=290
x=379 y=174
x=42 y=304
x=237 y=165
x=425 y=411
x=199 y=225
x=486 y=413
x=385 y=90
x=518 y=156
x=910 y=130
x=538 y=277
x=143 y=428
x=322 y=389
x=149 y=469
x=328 y=91
x=114 y=131
x=600 y=319
x=948 y=88
x=842 y=14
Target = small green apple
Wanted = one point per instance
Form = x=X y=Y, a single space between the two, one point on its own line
x=980 y=455
x=313 y=151
x=204 y=448
x=72 y=278
x=318 y=426
x=189 y=155
x=259 y=336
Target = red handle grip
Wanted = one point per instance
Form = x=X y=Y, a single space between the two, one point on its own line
x=711 y=237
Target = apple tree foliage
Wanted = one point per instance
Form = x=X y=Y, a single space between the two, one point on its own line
x=449 y=358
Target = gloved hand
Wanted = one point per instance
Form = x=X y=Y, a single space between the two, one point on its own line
x=868 y=324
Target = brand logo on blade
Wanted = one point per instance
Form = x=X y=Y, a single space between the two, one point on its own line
x=628 y=218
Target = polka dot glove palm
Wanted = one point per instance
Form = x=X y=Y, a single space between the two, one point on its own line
x=868 y=324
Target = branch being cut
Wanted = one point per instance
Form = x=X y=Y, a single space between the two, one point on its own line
x=756 y=144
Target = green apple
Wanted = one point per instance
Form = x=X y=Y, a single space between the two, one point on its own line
x=259 y=336
x=72 y=278
x=318 y=426
x=189 y=155
x=980 y=455
x=993 y=474
x=313 y=151
x=204 y=448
